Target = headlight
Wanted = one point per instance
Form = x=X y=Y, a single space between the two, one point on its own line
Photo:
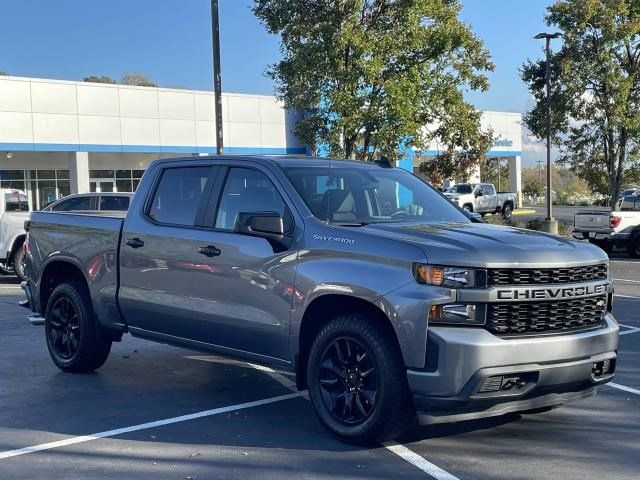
x=452 y=277
x=457 y=314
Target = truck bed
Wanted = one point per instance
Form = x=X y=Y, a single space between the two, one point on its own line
x=88 y=241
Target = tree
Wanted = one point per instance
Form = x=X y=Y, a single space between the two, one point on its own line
x=596 y=87
x=138 y=79
x=3 y=74
x=101 y=79
x=380 y=77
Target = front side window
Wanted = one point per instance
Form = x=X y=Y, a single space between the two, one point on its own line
x=357 y=195
x=114 y=203
x=248 y=191
x=177 y=197
x=16 y=202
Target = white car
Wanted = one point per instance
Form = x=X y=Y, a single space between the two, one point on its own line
x=14 y=210
x=620 y=227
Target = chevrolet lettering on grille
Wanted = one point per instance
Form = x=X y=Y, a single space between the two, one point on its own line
x=550 y=293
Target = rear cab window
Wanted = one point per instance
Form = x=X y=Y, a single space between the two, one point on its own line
x=16 y=202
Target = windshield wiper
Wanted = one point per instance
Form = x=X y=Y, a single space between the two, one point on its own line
x=351 y=224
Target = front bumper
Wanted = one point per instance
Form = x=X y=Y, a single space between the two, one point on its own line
x=479 y=374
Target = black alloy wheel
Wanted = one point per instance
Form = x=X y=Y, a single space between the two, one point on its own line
x=348 y=381
x=64 y=329
x=76 y=341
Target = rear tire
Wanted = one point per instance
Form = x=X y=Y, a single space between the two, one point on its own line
x=353 y=405
x=507 y=211
x=19 y=263
x=75 y=342
x=633 y=247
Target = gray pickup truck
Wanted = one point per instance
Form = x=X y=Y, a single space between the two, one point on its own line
x=384 y=298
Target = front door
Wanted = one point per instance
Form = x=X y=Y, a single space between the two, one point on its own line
x=158 y=252
x=244 y=293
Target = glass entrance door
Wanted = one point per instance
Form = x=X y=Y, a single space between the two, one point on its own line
x=101 y=185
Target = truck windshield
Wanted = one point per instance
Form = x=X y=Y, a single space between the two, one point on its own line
x=351 y=195
x=16 y=202
x=463 y=188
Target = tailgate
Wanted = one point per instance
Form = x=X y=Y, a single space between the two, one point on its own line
x=592 y=221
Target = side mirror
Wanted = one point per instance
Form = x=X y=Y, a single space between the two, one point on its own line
x=268 y=225
x=479 y=193
x=259 y=224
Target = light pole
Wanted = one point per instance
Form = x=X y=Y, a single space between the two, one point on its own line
x=217 y=78
x=550 y=224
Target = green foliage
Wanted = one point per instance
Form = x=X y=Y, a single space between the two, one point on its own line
x=595 y=89
x=533 y=188
x=489 y=173
x=370 y=74
x=137 y=79
x=99 y=79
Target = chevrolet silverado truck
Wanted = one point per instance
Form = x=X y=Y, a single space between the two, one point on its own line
x=14 y=210
x=382 y=296
x=609 y=229
x=482 y=198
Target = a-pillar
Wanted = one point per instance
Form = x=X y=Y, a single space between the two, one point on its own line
x=79 y=172
x=515 y=178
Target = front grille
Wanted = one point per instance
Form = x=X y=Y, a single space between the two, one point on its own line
x=523 y=318
x=537 y=276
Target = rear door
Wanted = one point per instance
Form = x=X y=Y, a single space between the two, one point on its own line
x=157 y=254
x=244 y=285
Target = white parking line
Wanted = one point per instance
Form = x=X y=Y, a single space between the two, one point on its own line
x=625 y=280
x=631 y=329
x=625 y=296
x=415 y=459
x=400 y=450
x=143 y=426
x=624 y=387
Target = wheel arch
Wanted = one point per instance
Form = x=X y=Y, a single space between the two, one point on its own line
x=56 y=272
x=322 y=310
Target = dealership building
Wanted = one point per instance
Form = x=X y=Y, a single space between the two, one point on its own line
x=61 y=137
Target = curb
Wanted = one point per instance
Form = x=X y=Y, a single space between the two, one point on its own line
x=523 y=211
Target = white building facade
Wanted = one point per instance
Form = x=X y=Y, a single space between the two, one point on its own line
x=61 y=137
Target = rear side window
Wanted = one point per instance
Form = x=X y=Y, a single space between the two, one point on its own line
x=73 y=204
x=177 y=197
x=114 y=203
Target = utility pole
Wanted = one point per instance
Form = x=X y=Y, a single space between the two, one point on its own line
x=217 y=77
x=539 y=170
x=550 y=224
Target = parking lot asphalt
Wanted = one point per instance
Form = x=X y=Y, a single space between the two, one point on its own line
x=223 y=419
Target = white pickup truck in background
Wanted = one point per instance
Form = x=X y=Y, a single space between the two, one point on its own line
x=618 y=228
x=482 y=198
x=14 y=210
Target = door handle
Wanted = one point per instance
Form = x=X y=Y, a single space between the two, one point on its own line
x=209 y=251
x=135 y=243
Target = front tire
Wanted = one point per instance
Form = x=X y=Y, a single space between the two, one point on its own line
x=358 y=381
x=74 y=340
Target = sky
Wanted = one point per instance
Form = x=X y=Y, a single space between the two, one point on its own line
x=170 y=41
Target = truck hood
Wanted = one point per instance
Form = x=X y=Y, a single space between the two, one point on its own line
x=482 y=245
